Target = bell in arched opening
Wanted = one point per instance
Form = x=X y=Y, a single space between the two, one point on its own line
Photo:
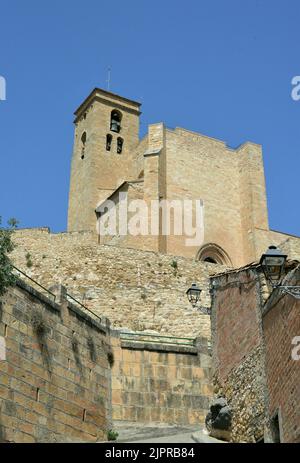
x=115 y=121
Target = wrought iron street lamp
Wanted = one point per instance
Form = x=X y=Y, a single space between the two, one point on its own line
x=193 y=294
x=273 y=265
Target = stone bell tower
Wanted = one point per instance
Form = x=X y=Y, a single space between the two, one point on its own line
x=106 y=136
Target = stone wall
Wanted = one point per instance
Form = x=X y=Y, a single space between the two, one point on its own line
x=291 y=246
x=135 y=289
x=237 y=352
x=287 y=243
x=67 y=377
x=281 y=324
x=161 y=382
x=54 y=370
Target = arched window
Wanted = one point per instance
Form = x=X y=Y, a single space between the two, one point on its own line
x=108 y=141
x=83 y=143
x=213 y=254
x=115 y=121
x=120 y=142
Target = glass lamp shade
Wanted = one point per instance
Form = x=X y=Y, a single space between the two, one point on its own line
x=193 y=294
x=273 y=264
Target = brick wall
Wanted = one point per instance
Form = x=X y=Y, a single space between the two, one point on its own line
x=161 y=383
x=54 y=370
x=281 y=323
x=237 y=352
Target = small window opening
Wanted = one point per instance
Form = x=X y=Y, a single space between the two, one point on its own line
x=83 y=143
x=84 y=414
x=115 y=121
x=120 y=142
x=108 y=141
x=210 y=260
x=37 y=396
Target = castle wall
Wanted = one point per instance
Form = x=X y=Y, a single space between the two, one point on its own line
x=134 y=289
x=160 y=382
x=54 y=371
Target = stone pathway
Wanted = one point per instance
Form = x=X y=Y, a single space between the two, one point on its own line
x=131 y=433
x=185 y=438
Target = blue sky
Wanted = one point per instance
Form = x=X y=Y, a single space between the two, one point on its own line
x=221 y=68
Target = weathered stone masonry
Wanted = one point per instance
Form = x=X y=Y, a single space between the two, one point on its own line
x=281 y=324
x=237 y=351
x=55 y=378
x=161 y=383
x=139 y=290
x=67 y=377
x=253 y=329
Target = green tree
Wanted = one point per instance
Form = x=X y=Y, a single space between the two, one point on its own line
x=6 y=246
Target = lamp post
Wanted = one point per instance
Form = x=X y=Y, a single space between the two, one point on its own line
x=273 y=265
x=193 y=295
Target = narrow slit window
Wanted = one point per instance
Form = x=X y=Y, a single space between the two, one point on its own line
x=83 y=143
x=108 y=141
x=120 y=142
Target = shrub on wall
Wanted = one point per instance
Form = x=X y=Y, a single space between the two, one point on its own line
x=6 y=246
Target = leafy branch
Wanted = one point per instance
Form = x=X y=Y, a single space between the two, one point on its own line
x=6 y=246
